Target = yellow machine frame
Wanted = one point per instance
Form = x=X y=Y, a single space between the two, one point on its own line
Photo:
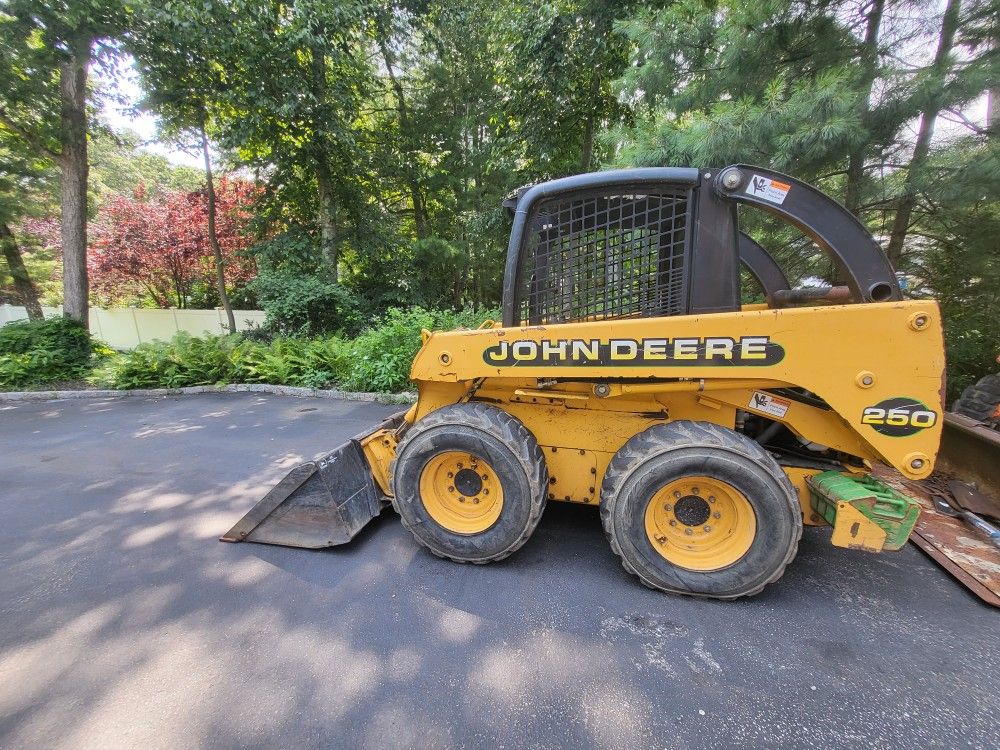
x=584 y=389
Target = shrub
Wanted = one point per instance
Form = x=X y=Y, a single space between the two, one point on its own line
x=44 y=351
x=972 y=343
x=188 y=360
x=380 y=357
x=304 y=304
x=436 y=275
x=183 y=361
x=309 y=363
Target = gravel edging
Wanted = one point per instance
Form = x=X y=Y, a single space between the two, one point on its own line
x=277 y=390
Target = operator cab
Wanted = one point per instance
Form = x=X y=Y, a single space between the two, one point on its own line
x=665 y=241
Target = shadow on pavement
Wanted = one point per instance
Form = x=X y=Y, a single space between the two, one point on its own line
x=123 y=622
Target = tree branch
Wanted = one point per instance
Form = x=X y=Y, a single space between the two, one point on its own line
x=963 y=120
x=33 y=141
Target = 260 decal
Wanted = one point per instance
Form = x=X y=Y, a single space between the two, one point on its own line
x=899 y=417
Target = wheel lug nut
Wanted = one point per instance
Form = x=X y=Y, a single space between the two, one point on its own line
x=673 y=523
x=661 y=539
x=668 y=506
x=476 y=501
x=677 y=494
x=486 y=477
x=486 y=492
x=451 y=489
x=695 y=490
x=461 y=499
x=688 y=532
x=716 y=515
x=711 y=498
x=708 y=528
x=451 y=474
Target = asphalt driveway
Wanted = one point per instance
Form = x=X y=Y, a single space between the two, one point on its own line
x=124 y=623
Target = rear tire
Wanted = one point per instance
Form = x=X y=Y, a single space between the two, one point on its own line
x=694 y=508
x=979 y=401
x=469 y=482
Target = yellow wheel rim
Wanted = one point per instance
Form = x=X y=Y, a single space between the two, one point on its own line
x=700 y=523
x=461 y=492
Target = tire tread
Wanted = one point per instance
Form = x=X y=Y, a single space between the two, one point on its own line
x=682 y=434
x=513 y=434
x=980 y=399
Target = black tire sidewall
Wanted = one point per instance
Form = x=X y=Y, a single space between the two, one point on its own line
x=979 y=400
x=515 y=514
x=775 y=533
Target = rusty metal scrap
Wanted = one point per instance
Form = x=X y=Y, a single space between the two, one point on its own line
x=960 y=550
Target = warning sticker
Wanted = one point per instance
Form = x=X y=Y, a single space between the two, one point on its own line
x=768 y=189
x=769 y=404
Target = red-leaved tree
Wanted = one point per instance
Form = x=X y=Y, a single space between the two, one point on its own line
x=159 y=246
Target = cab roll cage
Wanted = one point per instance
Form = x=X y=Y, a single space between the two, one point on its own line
x=707 y=249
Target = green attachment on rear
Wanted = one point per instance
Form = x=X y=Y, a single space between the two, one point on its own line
x=893 y=512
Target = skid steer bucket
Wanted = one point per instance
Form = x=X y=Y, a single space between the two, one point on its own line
x=318 y=504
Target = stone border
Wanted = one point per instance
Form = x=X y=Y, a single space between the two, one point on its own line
x=277 y=390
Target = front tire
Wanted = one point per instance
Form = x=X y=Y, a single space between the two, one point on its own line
x=695 y=508
x=469 y=482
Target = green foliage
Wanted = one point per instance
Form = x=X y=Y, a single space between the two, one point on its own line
x=438 y=272
x=185 y=360
x=378 y=360
x=303 y=304
x=388 y=134
x=294 y=287
x=381 y=356
x=119 y=166
x=957 y=227
x=27 y=184
x=44 y=351
x=558 y=68
x=776 y=82
x=308 y=363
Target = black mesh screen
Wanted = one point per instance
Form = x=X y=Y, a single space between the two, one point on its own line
x=594 y=256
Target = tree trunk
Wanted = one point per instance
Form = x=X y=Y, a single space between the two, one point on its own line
x=327 y=216
x=588 y=145
x=327 y=210
x=869 y=65
x=419 y=213
x=213 y=237
x=73 y=181
x=993 y=94
x=925 y=133
x=22 y=281
x=587 y=152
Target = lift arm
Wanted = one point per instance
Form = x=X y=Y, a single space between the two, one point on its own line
x=826 y=222
x=761 y=266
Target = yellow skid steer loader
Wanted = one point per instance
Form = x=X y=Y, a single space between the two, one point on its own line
x=627 y=375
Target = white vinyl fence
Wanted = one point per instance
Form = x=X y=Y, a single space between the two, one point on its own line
x=127 y=327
